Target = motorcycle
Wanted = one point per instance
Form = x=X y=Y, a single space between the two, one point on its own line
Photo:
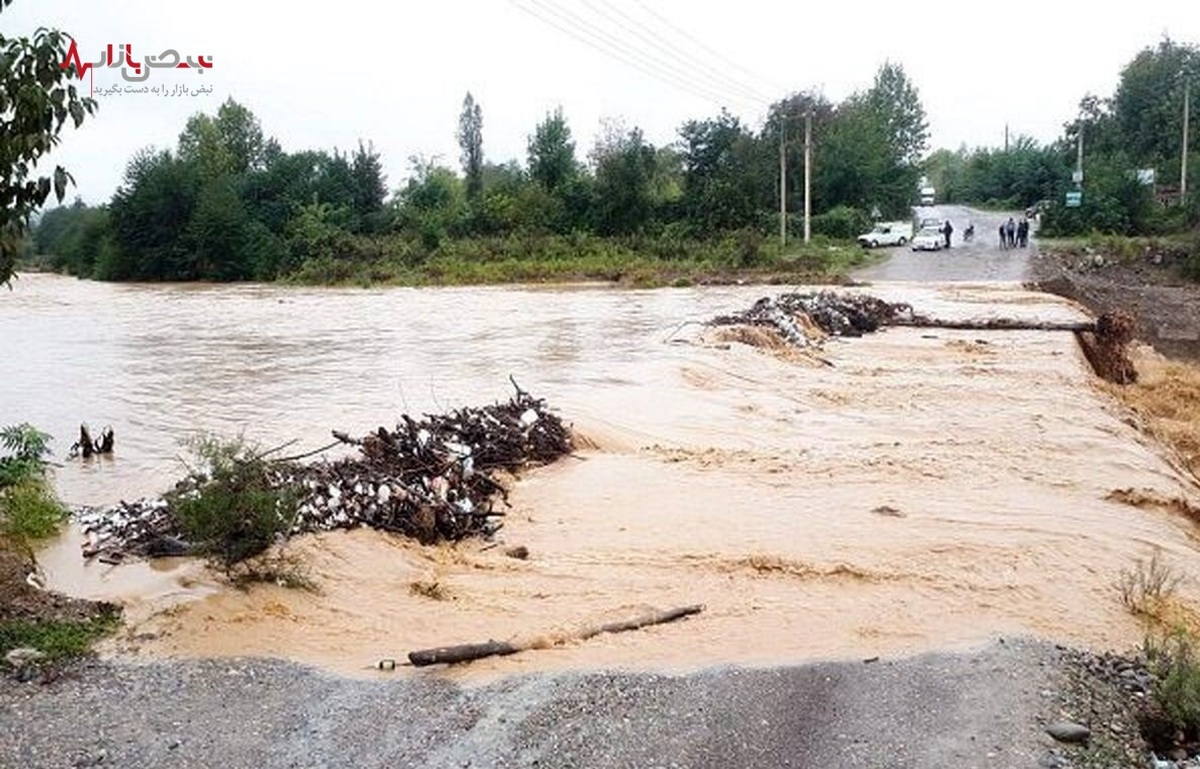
x=969 y=233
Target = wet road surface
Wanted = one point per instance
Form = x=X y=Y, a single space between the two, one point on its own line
x=982 y=259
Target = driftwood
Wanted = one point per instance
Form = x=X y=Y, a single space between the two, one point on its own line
x=994 y=324
x=467 y=652
x=86 y=446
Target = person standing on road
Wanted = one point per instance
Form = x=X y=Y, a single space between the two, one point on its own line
x=947 y=228
x=1023 y=233
x=1003 y=237
x=1010 y=231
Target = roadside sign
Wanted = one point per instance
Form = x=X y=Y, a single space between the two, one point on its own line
x=1077 y=176
x=1074 y=199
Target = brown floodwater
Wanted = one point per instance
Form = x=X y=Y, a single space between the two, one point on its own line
x=929 y=489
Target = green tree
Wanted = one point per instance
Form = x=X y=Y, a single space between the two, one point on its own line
x=1148 y=104
x=151 y=212
x=231 y=143
x=552 y=153
x=36 y=100
x=624 y=194
x=470 y=140
x=726 y=174
x=370 y=188
x=896 y=103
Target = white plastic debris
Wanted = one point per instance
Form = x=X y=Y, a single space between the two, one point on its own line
x=529 y=418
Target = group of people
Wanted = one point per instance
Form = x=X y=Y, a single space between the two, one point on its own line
x=1014 y=234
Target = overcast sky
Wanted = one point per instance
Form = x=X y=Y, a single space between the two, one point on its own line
x=324 y=75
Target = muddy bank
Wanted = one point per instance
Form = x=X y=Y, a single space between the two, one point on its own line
x=1165 y=305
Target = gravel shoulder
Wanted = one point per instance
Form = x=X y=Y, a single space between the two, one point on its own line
x=988 y=707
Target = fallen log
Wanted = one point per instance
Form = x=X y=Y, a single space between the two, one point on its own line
x=468 y=652
x=995 y=324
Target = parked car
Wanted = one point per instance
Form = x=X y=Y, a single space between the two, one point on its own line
x=929 y=239
x=887 y=234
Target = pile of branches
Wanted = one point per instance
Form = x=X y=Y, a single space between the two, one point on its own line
x=805 y=320
x=433 y=479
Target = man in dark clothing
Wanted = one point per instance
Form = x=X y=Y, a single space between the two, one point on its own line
x=1023 y=233
x=1010 y=230
x=947 y=228
x=1003 y=237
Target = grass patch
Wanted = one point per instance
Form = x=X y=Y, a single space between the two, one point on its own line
x=1148 y=587
x=639 y=261
x=57 y=639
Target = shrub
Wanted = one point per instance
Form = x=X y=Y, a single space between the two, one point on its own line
x=28 y=507
x=842 y=222
x=230 y=508
x=1175 y=663
x=29 y=510
x=1146 y=588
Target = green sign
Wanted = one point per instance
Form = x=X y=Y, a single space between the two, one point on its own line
x=1074 y=199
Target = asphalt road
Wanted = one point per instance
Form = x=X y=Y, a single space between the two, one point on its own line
x=985 y=709
x=980 y=260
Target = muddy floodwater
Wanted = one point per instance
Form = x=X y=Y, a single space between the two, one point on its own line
x=929 y=489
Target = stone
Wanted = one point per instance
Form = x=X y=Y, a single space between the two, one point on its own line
x=1067 y=731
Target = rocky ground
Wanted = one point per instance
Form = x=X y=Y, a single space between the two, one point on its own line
x=987 y=708
x=1149 y=285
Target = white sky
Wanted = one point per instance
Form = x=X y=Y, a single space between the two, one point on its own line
x=323 y=75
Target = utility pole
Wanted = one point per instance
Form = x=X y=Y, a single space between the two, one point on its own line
x=1079 y=159
x=1184 y=159
x=1006 y=137
x=807 y=176
x=782 y=179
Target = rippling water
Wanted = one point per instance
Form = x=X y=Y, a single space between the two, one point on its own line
x=926 y=488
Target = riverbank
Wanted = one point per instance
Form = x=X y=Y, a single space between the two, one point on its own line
x=630 y=262
x=1151 y=278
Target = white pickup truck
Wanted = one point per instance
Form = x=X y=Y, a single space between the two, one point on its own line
x=887 y=234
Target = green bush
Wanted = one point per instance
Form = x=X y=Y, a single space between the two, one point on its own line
x=229 y=507
x=28 y=507
x=1175 y=662
x=841 y=222
x=29 y=510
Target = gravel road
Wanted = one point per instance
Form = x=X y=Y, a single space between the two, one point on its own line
x=985 y=708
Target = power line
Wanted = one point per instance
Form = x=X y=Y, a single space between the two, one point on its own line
x=623 y=49
x=677 y=54
x=667 y=22
x=569 y=24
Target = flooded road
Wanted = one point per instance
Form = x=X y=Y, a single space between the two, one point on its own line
x=930 y=489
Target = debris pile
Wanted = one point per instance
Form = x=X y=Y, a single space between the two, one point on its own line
x=1106 y=348
x=432 y=479
x=805 y=320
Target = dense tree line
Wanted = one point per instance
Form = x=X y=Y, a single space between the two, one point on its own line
x=228 y=203
x=1138 y=128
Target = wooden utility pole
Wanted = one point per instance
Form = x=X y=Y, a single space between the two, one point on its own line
x=1184 y=159
x=782 y=179
x=807 y=176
